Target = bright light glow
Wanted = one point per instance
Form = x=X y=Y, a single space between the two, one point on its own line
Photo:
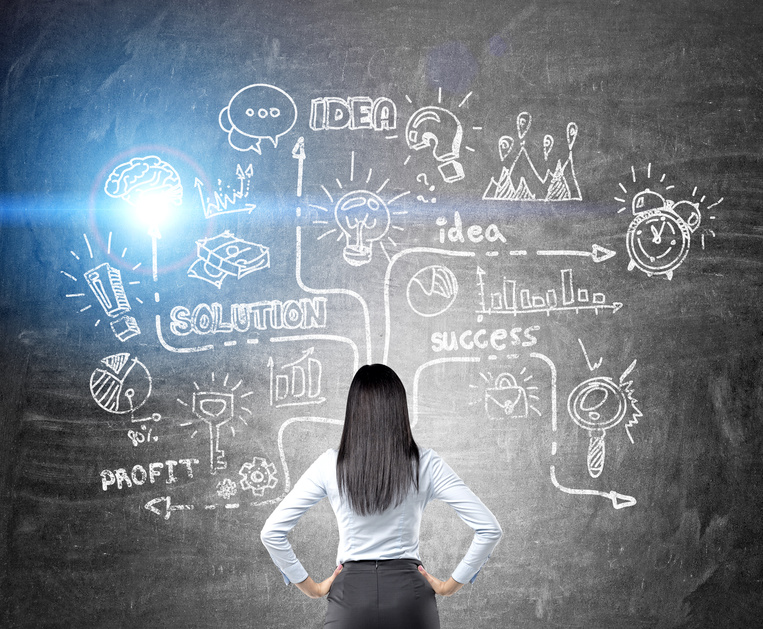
x=154 y=210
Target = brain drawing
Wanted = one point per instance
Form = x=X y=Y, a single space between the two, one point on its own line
x=143 y=177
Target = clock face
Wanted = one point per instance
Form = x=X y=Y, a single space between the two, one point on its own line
x=657 y=241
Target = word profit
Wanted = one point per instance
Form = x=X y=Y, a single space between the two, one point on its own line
x=139 y=475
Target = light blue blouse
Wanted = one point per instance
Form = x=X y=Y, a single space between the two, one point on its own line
x=393 y=534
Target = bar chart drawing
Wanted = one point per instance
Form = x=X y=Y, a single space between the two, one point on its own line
x=508 y=297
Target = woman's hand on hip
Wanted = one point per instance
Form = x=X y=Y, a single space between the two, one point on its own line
x=318 y=590
x=443 y=588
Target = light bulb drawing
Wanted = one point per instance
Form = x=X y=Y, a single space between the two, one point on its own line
x=217 y=406
x=107 y=286
x=362 y=219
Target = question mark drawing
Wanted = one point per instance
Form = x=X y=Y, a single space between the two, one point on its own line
x=440 y=130
x=422 y=178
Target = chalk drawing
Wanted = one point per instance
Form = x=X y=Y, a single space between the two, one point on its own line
x=224 y=256
x=256 y=112
x=108 y=288
x=475 y=233
x=388 y=276
x=177 y=350
x=522 y=180
x=432 y=290
x=297 y=383
x=422 y=179
x=139 y=437
x=508 y=399
x=218 y=406
x=358 y=112
x=659 y=236
x=145 y=180
x=421 y=369
x=305 y=338
x=271 y=314
x=139 y=475
x=619 y=501
x=289 y=422
x=362 y=218
x=597 y=253
x=122 y=385
x=226 y=488
x=333 y=291
x=228 y=201
x=509 y=298
x=165 y=502
x=298 y=153
x=257 y=476
x=597 y=405
x=439 y=130
x=591 y=366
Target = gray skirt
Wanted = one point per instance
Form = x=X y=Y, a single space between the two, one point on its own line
x=381 y=595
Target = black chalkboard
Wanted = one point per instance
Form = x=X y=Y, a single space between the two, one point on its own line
x=544 y=216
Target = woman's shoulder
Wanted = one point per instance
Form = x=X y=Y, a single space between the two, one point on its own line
x=428 y=457
x=328 y=456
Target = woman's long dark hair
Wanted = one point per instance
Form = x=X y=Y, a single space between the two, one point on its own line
x=378 y=460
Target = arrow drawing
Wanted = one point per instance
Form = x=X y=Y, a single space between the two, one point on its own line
x=168 y=507
x=597 y=253
x=619 y=501
x=298 y=153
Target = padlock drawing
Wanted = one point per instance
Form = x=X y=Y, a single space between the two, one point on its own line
x=506 y=399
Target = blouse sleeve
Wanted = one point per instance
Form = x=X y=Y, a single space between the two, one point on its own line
x=447 y=486
x=307 y=491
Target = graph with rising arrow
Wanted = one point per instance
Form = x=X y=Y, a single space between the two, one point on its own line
x=228 y=202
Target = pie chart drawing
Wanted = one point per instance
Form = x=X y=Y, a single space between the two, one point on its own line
x=122 y=385
x=432 y=290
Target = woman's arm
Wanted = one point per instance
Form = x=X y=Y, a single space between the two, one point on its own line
x=318 y=590
x=443 y=588
x=307 y=491
x=447 y=486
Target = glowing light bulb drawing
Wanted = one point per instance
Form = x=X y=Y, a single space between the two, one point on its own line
x=364 y=219
x=361 y=217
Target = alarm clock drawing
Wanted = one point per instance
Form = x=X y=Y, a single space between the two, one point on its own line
x=659 y=236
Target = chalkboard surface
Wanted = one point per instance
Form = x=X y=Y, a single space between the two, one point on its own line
x=545 y=216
